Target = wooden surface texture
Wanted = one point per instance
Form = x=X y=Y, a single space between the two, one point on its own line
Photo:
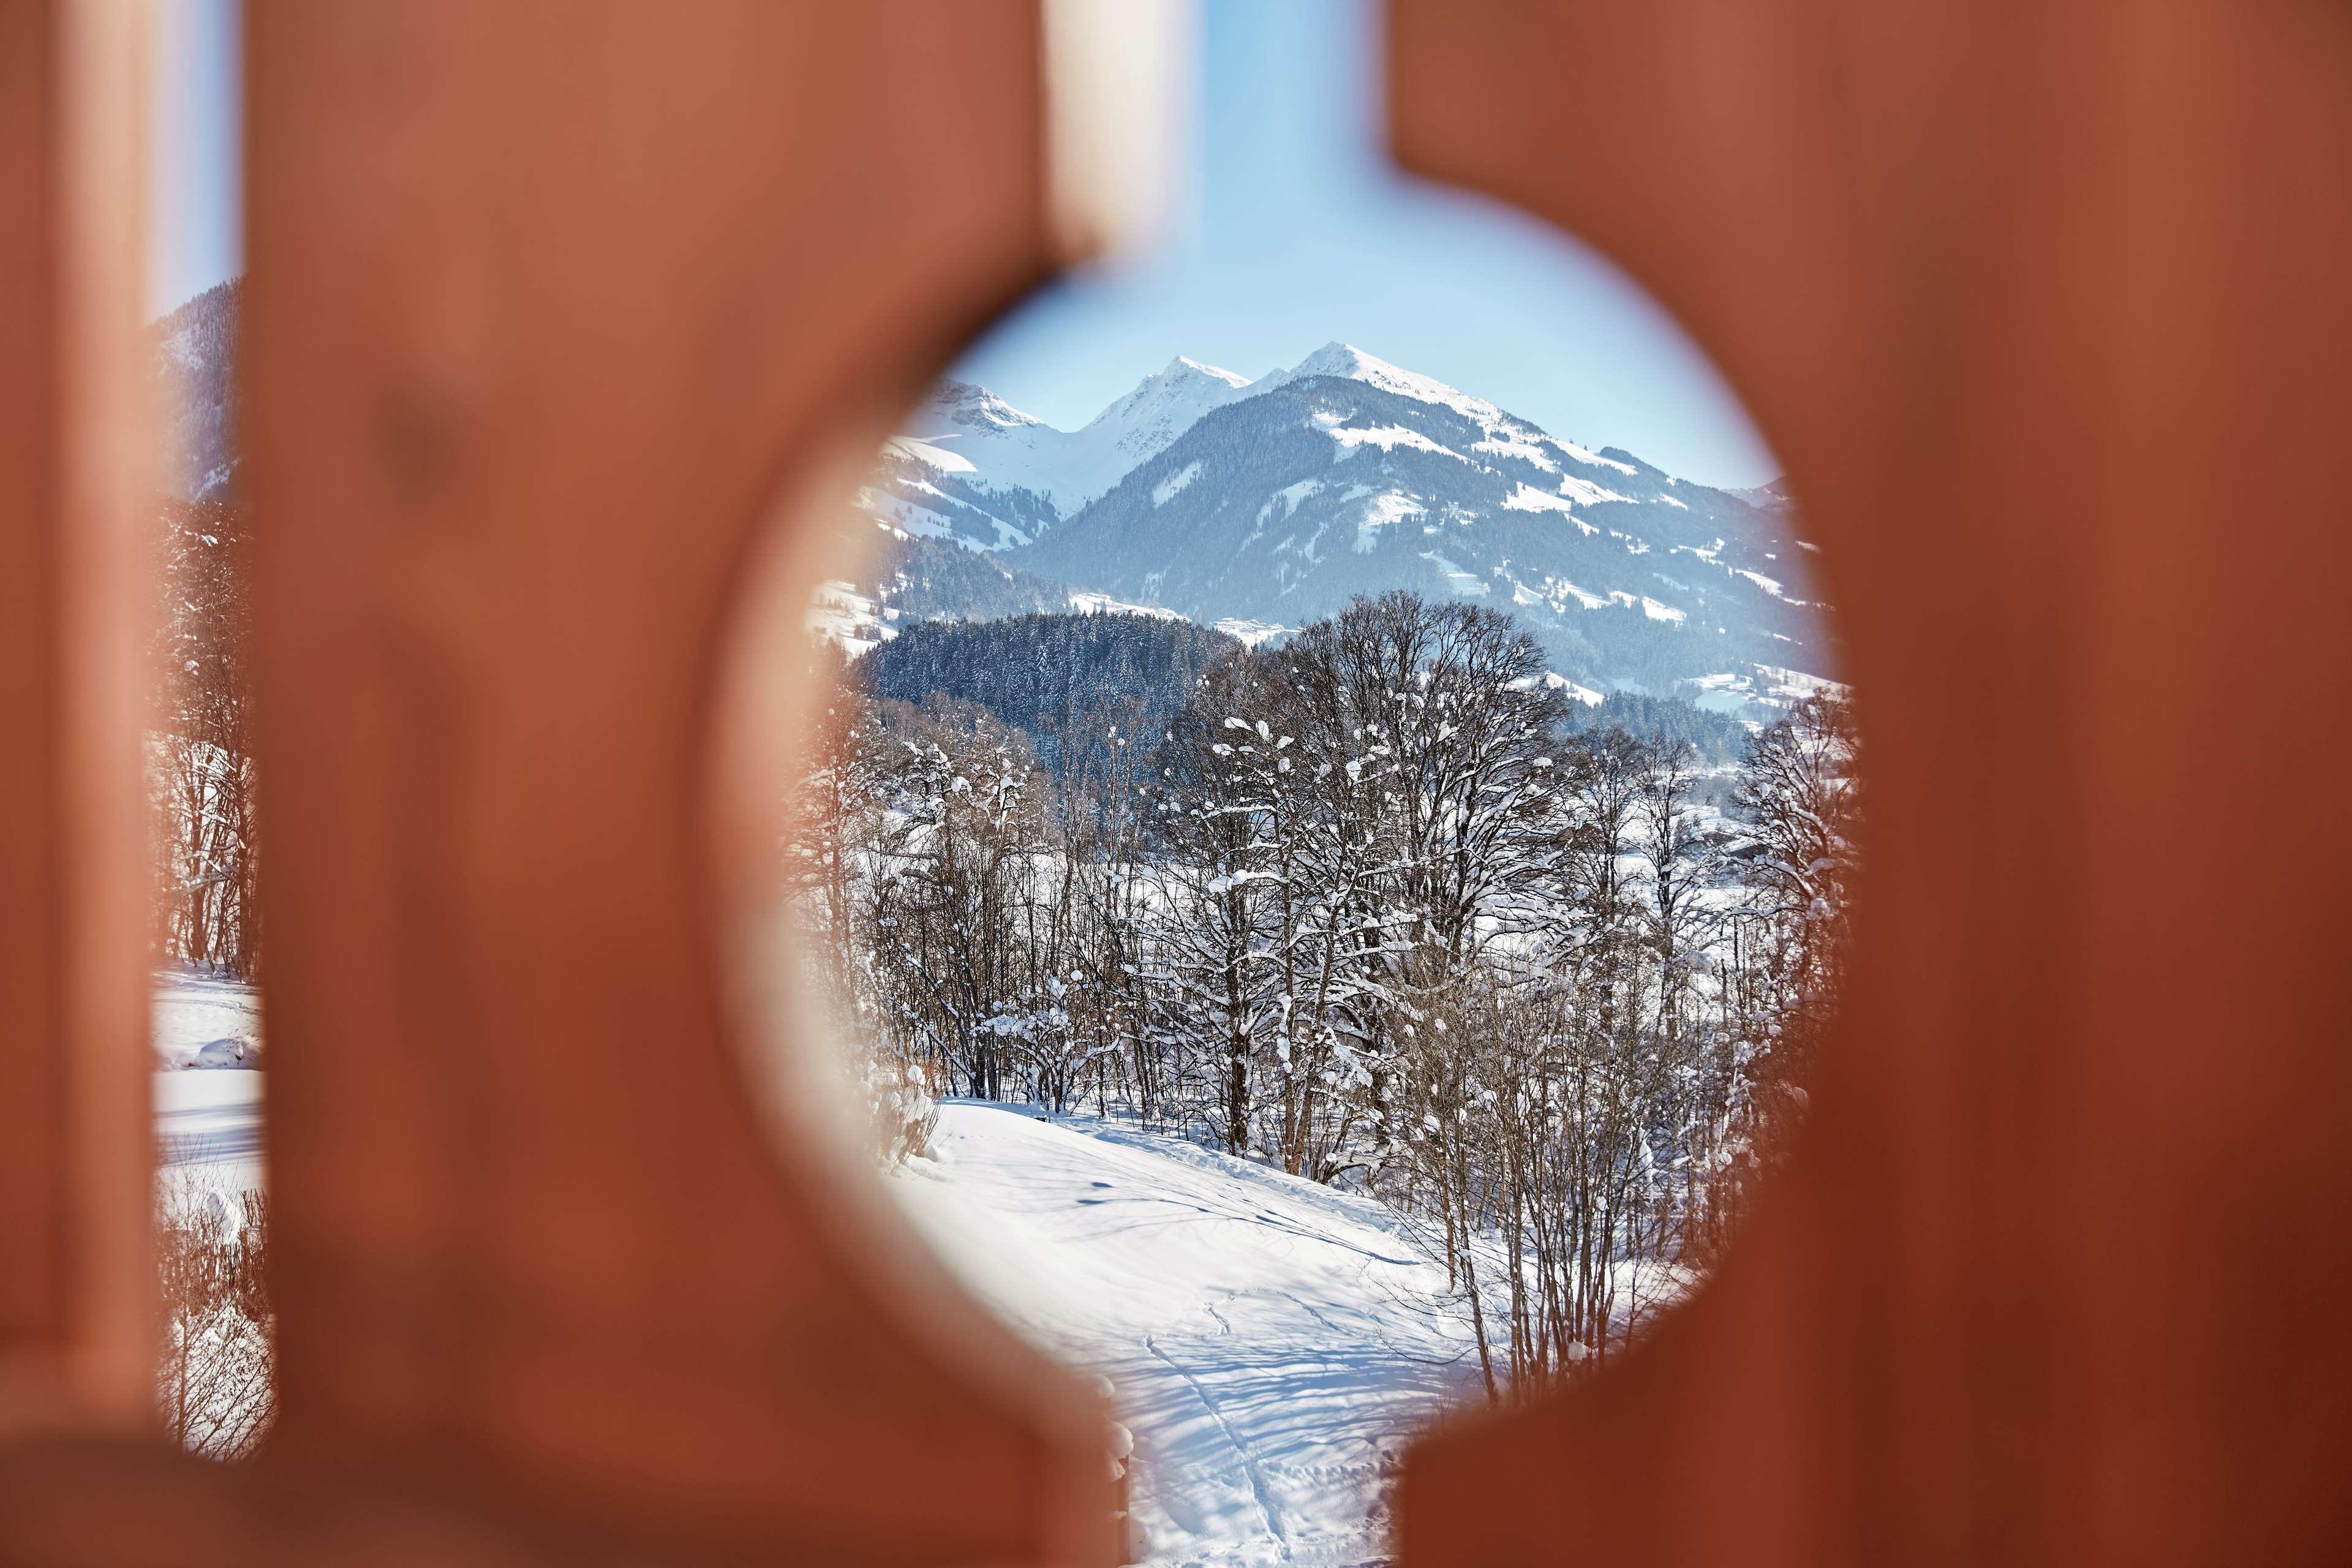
x=76 y=1336
x=2045 y=310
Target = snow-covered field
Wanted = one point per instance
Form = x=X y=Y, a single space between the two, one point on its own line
x=1272 y=1345
x=189 y=1012
x=207 y=1082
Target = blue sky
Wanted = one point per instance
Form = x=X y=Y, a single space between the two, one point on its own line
x=195 y=210
x=1296 y=231
x=1300 y=231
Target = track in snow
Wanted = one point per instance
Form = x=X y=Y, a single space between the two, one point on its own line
x=1271 y=1343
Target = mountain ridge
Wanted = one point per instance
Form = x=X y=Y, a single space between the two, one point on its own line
x=1257 y=505
x=1282 y=497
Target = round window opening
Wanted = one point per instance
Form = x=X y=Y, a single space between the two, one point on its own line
x=1327 y=874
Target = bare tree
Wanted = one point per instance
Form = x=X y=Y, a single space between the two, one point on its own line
x=201 y=775
x=1375 y=911
x=214 y=1389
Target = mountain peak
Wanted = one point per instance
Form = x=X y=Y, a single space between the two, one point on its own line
x=1336 y=358
x=962 y=403
x=1348 y=363
x=1184 y=367
x=1164 y=405
x=1183 y=381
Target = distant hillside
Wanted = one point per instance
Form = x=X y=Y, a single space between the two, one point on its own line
x=1356 y=476
x=914 y=579
x=1720 y=741
x=1109 y=677
x=195 y=359
x=1273 y=502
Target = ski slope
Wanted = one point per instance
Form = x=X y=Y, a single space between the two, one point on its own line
x=1271 y=1345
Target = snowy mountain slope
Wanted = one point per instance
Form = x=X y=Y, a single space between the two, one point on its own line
x=970 y=467
x=1773 y=496
x=1348 y=475
x=194 y=359
x=1272 y=502
x=1260 y=505
x=973 y=468
x=1141 y=425
x=906 y=577
x=1269 y=1343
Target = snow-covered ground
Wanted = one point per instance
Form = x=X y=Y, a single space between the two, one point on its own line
x=190 y=1011
x=1272 y=1345
x=208 y=1116
x=212 y=1120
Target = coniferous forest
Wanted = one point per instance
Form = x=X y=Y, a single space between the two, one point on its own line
x=1075 y=684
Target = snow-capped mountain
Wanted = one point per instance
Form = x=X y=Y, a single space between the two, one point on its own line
x=1273 y=502
x=1258 y=506
x=1143 y=422
x=970 y=467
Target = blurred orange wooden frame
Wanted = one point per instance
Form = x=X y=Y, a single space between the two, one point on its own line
x=2045 y=311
